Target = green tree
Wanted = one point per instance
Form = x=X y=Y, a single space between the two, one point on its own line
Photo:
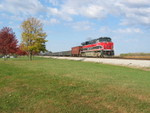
x=33 y=37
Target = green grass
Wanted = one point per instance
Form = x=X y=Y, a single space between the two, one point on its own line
x=63 y=86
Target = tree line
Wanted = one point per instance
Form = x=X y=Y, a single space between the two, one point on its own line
x=33 y=39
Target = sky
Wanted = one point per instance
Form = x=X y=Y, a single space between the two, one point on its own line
x=68 y=23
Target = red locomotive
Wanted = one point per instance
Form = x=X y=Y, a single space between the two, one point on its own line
x=101 y=47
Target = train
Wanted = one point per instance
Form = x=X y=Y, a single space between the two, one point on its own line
x=100 y=47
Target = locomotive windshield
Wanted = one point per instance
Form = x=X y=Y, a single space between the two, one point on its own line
x=89 y=42
x=104 y=39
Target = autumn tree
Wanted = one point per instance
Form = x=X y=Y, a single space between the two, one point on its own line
x=33 y=37
x=20 y=50
x=8 y=42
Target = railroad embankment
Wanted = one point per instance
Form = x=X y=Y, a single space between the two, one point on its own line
x=123 y=62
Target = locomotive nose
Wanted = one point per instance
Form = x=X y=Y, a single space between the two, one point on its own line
x=108 y=45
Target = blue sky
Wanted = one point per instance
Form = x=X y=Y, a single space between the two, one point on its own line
x=68 y=23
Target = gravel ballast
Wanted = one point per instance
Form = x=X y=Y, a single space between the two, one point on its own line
x=123 y=62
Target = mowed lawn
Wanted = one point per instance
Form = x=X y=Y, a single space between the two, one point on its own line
x=64 y=86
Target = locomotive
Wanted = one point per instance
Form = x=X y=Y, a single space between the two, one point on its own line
x=100 y=47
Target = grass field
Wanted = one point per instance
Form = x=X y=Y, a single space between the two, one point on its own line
x=63 y=86
x=136 y=55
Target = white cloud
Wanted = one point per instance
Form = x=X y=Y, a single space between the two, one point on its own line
x=128 y=30
x=81 y=26
x=136 y=3
x=54 y=2
x=1 y=6
x=132 y=12
x=54 y=21
x=93 y=11
x=22 y=7
x=58 y=13
x=135 y=12
x=48 y=21
x=106 y=29
x=11 y=17
x=53 y=11
x=87 y=8
x=69 y=10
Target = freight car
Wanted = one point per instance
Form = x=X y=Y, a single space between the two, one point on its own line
x=76 y=51
x=62 y=53
x=100 y=47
